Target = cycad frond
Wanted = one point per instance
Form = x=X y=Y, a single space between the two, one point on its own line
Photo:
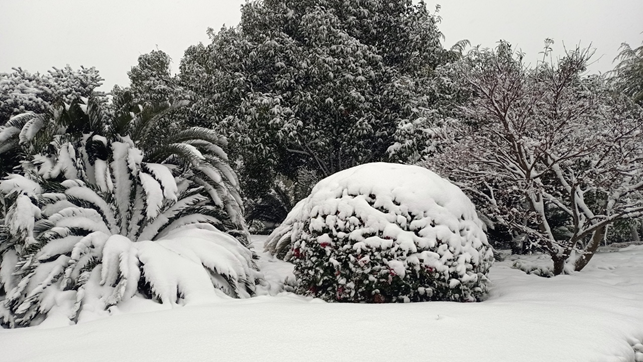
x=110 y=233
x=628 y=73
x=460 y=46
x=202 y=134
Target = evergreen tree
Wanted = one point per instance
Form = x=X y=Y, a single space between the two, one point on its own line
x=314 y=85
x=151 y=80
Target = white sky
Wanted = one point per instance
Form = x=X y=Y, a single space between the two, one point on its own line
x=110 y=34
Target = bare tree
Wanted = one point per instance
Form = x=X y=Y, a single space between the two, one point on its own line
x=550 y=152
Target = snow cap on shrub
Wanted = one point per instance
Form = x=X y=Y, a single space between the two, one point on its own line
x=384 y=232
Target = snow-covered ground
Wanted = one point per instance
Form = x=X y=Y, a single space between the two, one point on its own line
x=594 y=315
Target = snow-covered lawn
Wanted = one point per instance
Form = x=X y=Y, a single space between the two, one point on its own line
x=594 y=315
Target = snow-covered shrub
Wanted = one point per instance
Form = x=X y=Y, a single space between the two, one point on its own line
x=92 y=224
x=529 y=268
x=386 y=233
x=21 y=91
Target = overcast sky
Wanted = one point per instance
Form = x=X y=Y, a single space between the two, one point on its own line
x=110 y=34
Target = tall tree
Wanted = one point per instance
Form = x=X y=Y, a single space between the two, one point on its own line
x=151 y=79
x=547 y=150
x=309 y=84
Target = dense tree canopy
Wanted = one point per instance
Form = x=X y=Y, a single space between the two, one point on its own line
x=309 y=84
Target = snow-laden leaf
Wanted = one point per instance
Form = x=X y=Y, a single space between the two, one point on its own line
x=187 y=220
x=151 y=230
x=165 y=178
x=213 y=191
x=87 y=195
x=8 y=133
x=65 y=163
x=60 y=246
x=21 y=218
x=19 y=183
x=154 y=195
x=30 y=129
x=219 y=252
x=122 y=182
x=187 y=279
x=56 y=206
x=111 y=255
x=103 y=176
x=8 y=264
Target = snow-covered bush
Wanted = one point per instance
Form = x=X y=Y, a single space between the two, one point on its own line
x=385 y=233
x=21 y=91
x=93 y=223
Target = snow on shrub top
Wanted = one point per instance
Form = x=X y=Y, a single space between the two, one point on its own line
x=391 y=218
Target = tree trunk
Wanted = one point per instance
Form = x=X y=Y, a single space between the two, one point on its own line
x=518 y=244
x=559 y=264
x=634 y=232
x=589 y=251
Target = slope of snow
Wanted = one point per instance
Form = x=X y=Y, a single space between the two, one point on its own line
x=594 y=315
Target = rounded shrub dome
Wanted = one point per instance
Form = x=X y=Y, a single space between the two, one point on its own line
x=384 y=232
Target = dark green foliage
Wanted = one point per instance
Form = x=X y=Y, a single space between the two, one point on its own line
x=336 y=271
x=312 y=85
x=151 y=79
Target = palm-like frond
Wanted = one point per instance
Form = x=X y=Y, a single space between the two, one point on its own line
x=29 y=134
x=280 y=240
x=99 y=223
x=628 y=72
x=200 y=152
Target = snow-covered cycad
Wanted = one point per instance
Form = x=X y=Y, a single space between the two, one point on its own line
x=281 y=239
x=28 y=134
x=199 y=151
x=93 y=225
x=385 y=233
